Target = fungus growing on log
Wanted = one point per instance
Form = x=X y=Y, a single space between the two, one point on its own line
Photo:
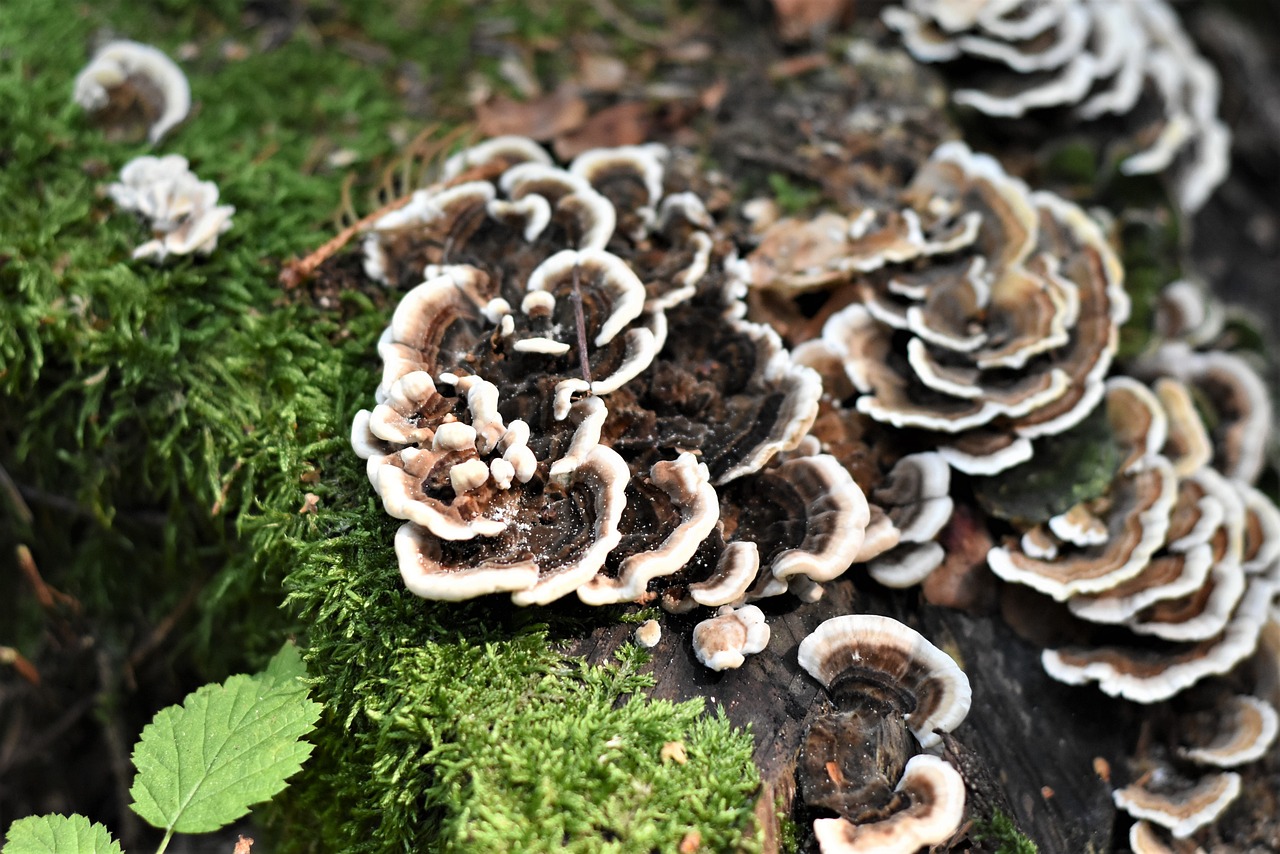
x=1096 y=58
x=979 y=311
x=865 y=657
x=572 y=401
x=935 y=796
x=129 y=84
x=892 y=690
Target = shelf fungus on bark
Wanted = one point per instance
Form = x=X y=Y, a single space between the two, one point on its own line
x=128 y=85
x=1175 y=803
x=981 y=312
x=934 y=794
x=182 y=210
x=1181 y=785
x=1178 y=557
x=572 y=401
x=1097 y=58
x=916 y=504
x=892 y=692
x=1148 y=838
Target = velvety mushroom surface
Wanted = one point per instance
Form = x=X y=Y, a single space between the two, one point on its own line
x=1096 y=58
x=975 y=310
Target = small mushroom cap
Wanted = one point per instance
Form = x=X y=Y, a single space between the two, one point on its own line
x=1171 y=803
x=936 y=794
x=649 y=633
x=119 y=61
x=724 y=641
x=1237 y=731
x=1147 y=838
x=183 y=210
x=866 y=649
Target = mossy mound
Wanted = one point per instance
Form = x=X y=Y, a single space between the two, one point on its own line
x=163 y=425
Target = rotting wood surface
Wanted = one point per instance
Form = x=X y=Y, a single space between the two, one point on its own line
x=1029 y=743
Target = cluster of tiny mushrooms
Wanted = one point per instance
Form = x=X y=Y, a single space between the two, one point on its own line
x=575 y=399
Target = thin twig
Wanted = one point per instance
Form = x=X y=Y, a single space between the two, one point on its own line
x=48 y=597
x=582 y=327
x=14 y=495
x=163 y=628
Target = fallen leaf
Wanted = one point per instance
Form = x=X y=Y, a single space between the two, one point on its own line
x=627 y=123
x=799 y=20
x=542 y=118
x=601 y=73
x=674 y=750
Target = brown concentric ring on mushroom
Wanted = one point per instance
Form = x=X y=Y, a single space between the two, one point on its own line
x=864 y=654
x=1237 y=396
x=935 y=796
x=1157 y=671
x=1004 y=338
x=555 y=541
x=1145 y=838
x=803 y=520
x=681 y=487
x=915 y=496
x=1234 y=732
x=1170 y=802
x=1094 y=57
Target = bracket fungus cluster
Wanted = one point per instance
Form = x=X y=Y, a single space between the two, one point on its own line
x=974 y=309
x=572 y=402
x=893 y=692
x=182 y=210
x=129 y=84
x=1176 y=565
x=1097 y=58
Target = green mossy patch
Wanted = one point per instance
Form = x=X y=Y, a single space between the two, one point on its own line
x=165 y=423
x=1067 y=468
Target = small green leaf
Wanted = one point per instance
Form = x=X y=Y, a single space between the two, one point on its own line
x=58 y=834
x=286 y=669
x=201 y=765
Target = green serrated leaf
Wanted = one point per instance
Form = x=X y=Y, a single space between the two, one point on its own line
x=58 y=834
x=286 y=670
x=201 y=765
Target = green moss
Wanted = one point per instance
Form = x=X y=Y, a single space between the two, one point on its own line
x=792 y=198
x=1002 y=833
x=1149 y=249
x=164 y=423
x=1067 y=468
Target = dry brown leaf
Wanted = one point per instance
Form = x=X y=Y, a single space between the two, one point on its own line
x=542 y=118
x=600 y=73
x=799 y=20
x=627 y=123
